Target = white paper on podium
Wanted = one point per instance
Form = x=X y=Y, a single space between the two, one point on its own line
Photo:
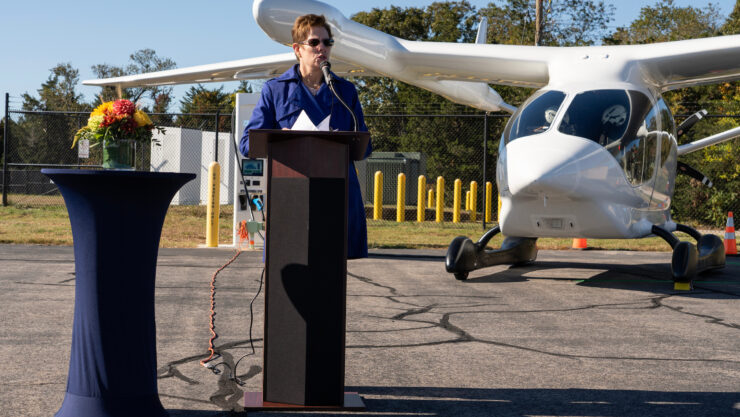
x=304 y=123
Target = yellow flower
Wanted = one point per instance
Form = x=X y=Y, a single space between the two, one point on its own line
x=94 y=121
x=142 y=119
x=102 y=109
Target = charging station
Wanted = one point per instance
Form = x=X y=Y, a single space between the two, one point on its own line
x=250 y=181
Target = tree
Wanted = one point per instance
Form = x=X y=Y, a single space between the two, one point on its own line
x=666 y=22
x=141 y=61
x=579 y=22
x=146 y=60
x=200 y=100
x=46 y=138
x=565 y=23
x=58 y=92
x=732 y=25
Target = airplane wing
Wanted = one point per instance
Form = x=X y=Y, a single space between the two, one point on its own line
x=410 y=61
x=679 y=64
x=444 y=67
x=243 y=69
x=462 y=72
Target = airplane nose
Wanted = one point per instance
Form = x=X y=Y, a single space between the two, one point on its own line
x=547 y=163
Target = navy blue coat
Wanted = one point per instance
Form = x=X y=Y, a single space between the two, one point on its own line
x=281 y=102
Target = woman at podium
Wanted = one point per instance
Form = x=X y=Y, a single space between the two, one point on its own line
x=302 y=89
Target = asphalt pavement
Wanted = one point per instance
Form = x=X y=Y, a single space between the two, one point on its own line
x=578 y=333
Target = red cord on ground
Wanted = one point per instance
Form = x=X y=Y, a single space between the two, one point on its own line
x=212 y=325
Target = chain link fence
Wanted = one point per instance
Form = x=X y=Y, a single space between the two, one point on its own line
x=454 y=147
x=42 y=139
x=449 y=147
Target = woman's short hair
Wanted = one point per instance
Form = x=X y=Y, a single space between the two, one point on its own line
x=303 y=25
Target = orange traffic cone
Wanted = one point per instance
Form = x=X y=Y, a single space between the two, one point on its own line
x=730 y=243
x=579 y=244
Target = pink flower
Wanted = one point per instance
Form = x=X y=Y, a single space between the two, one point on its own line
x=124 y=107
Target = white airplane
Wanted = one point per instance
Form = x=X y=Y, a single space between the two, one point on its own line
x=591 y=154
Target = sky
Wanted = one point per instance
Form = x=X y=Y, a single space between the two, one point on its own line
x=36 y=36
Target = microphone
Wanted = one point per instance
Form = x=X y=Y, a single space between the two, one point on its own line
x=325 y=66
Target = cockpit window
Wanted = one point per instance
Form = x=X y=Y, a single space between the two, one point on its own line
x=535 y=115
x=602 y=115
x=625 y=122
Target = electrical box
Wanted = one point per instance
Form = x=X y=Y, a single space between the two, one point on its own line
x=412 y=164
x=251 y=176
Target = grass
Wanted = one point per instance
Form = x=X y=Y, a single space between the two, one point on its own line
x=388 y=234
x=185 y=227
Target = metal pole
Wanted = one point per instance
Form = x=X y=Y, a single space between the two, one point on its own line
x=79 y=126
x=538 y=22
x=215 y=156
x=485 y=163
x=6 y=136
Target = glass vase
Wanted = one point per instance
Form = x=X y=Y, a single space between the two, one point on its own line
x=119 y=154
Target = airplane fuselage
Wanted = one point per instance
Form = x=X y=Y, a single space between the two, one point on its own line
x=582 y=162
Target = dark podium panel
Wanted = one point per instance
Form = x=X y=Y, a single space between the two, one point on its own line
x=306 y=262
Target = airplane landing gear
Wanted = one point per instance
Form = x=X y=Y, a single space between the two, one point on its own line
x=688 y=259
x=464 y=256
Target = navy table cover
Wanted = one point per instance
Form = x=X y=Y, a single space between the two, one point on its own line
x=116 y=219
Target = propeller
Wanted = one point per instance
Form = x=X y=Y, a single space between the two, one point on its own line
x=693 y=173
x=684 y=168
x=687 y=124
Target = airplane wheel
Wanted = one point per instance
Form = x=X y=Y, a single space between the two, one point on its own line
x=461 y=276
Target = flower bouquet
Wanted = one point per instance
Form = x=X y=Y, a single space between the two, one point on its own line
x=117 y=125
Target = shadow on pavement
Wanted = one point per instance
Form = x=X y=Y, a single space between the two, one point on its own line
x=572 y=402
x=420 y=401
x=655 y=278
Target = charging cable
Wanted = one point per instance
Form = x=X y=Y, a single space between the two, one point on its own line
x=214 y=355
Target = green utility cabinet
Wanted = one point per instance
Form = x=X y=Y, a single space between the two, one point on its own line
x=412 y=164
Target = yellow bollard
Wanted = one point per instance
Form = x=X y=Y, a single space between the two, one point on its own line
x=401 y=198
x=456 y=201
x=420 y=187
x=440 y=199
x=214 y=204
x=489 y=200
x=430 y=199
x=378 y=196
x=498 y=213
x=473 y=200
x=467 y=200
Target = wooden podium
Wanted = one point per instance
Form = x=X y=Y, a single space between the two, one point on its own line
x=305 y=268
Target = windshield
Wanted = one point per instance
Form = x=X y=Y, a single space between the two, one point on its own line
x=602 y=115
x=535 y=115
x=625 y=122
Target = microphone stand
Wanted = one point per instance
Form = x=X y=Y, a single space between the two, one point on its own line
x=325 y=66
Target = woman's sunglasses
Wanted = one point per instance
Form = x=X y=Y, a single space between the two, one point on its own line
x=315 y=42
